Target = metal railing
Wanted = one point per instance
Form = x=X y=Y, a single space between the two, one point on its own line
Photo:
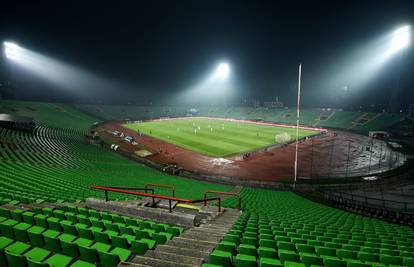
x=153 y=196
x=162 y=186
x=223 y=193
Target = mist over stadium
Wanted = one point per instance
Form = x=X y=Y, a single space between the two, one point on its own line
x=207 y=133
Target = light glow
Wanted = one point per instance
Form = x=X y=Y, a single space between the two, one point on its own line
x=223 y=71
x=11 y=50
x=401 y=38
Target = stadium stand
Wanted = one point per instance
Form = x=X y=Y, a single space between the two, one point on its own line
x=76 y=236
x=283 y=229
x=54 y=163
x=355 y=121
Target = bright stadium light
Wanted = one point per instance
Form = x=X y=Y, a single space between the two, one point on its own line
x=222 y=71
x=61 y=74
x=400 y=38
x=11 y=50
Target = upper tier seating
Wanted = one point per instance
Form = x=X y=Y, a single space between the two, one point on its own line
x=283 y=229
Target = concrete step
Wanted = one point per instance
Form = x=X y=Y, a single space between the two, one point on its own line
x=174 y=257
x=217 y=229
x=201 y=236
x=185 y=251
x=211 y=232
x=147 y=261
x=191 y=243
x=130 y=264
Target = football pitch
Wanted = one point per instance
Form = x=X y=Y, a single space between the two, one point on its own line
x=217 y=138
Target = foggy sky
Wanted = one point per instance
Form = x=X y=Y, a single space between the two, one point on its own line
x=156 y=49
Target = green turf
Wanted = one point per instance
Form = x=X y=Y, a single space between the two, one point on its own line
x=226 y=137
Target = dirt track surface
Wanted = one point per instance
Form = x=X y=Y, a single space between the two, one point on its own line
x=333 y=154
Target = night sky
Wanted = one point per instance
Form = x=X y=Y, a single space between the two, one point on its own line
x=156 y=49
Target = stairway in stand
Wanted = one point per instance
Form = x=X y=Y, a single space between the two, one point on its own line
x=191 y=248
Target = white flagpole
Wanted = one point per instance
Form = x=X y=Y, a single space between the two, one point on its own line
x=297 y=127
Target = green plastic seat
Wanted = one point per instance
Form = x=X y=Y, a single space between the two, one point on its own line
x=391 y=260
x=231 y=238
x=20 y=231
x=35 y=235
x=5 y=213
x=139 y=247
x=41 y=220
x=15 y=260
x=17 y=248
x=6 y=228
x=33 y=263
x=59 y=260
x=353 y=263
x=301 y=248
x=334 y=262
x=286 y=255
x=267 y=243
x=243 y=260
x=54 y=224
x=101 y=247
x=4 y=242
x=88 y=254
x=69 y=248
x=175 y=230
x=346 y=254
x=16 y=214
x=286 y=246
x=309 y=260
x=51 y=240
x=269 y=262
x=81 y=263
x=293 y=264
x=267 y=252
x=120 y=241
x=28 y=217
x=368 y=257
x=37 y=254
x=222 y=258
x=322 y=251
x=247 y=250
x=60 y=214
x=227 y=246
x=96 y=222
x=141 y=234
x=122 y=253
x=151 y=243
x=47 y=211
x=102 y=237
x=84 y=231
x=82 y=242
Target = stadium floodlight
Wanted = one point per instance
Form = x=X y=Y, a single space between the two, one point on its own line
x=222 y=71
x=11 y=50
x=400 y=38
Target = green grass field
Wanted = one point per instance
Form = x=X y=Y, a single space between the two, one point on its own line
x=215 y=137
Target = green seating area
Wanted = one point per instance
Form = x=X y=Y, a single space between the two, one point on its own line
x=75 y=236
x=56 y=164
x=284 y=229
x=310 y=117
